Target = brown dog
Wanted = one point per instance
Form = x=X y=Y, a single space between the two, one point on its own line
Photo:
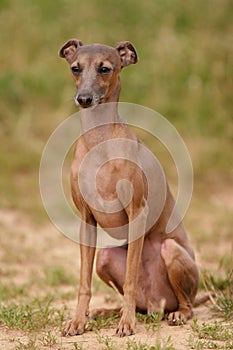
x=154 y=267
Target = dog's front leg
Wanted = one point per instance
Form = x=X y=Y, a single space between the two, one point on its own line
x=88 y=234
x=136 y=229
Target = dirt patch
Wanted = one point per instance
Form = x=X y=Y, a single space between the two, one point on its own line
x=27 y=252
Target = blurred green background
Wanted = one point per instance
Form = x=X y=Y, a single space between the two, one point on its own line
x=185 y=73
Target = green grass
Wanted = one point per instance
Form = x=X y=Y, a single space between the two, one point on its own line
x=108 y=344
x=160 y=345
x=30 y=345
x=11 y=290
x=48 y=340
x=57 y=275
x=222 y=303
x=184 y=73
x=152 y=321
x=213 y=331
x=34 y=315
x=215 y=335
x=100 y=322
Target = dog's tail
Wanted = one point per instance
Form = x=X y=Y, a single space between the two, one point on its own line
x=204 y=299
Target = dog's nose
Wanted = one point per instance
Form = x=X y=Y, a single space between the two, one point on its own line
x=85 y=100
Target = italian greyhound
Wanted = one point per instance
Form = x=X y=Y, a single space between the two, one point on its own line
x=155 y=268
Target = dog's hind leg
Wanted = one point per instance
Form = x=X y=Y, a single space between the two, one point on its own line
x=183 y=276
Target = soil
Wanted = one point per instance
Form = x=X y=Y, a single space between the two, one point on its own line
x=26 y=250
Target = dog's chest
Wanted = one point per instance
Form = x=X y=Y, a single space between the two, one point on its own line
x=98 y=186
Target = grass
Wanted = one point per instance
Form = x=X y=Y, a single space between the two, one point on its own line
x=30 y=345
x=213 y=331
x=184 y=73
x=57 y=275
x=100 y=322
x=108 y=344
x=222 y=303
x=216 y=335
x=160 y=345
x=48 y=340
x=41 y=314
x=32 y=316
x=152 y=321
x=11 y=290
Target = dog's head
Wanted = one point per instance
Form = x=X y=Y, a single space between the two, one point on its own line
x=96 y=68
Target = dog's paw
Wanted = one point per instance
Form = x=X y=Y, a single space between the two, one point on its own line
x=73 y=327
x=176 y=318
x=124 y=328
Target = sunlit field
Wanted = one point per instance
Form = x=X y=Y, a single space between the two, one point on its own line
x=185 y=73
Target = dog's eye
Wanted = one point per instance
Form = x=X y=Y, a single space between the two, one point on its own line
x=104 y=70
x=76 y=69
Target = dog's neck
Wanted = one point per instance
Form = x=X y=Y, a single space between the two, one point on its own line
x=99 y=124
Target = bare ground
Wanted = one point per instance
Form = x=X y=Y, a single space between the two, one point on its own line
x=27 y=250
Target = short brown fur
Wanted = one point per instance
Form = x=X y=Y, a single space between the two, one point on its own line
x=155 y=269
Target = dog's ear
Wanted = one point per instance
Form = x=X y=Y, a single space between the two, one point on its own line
x=69 y=48
x=127 y=53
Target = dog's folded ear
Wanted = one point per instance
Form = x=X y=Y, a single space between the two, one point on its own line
x=69 y=48
x=127 y=53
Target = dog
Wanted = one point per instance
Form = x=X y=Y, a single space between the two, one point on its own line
x=153 y=268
